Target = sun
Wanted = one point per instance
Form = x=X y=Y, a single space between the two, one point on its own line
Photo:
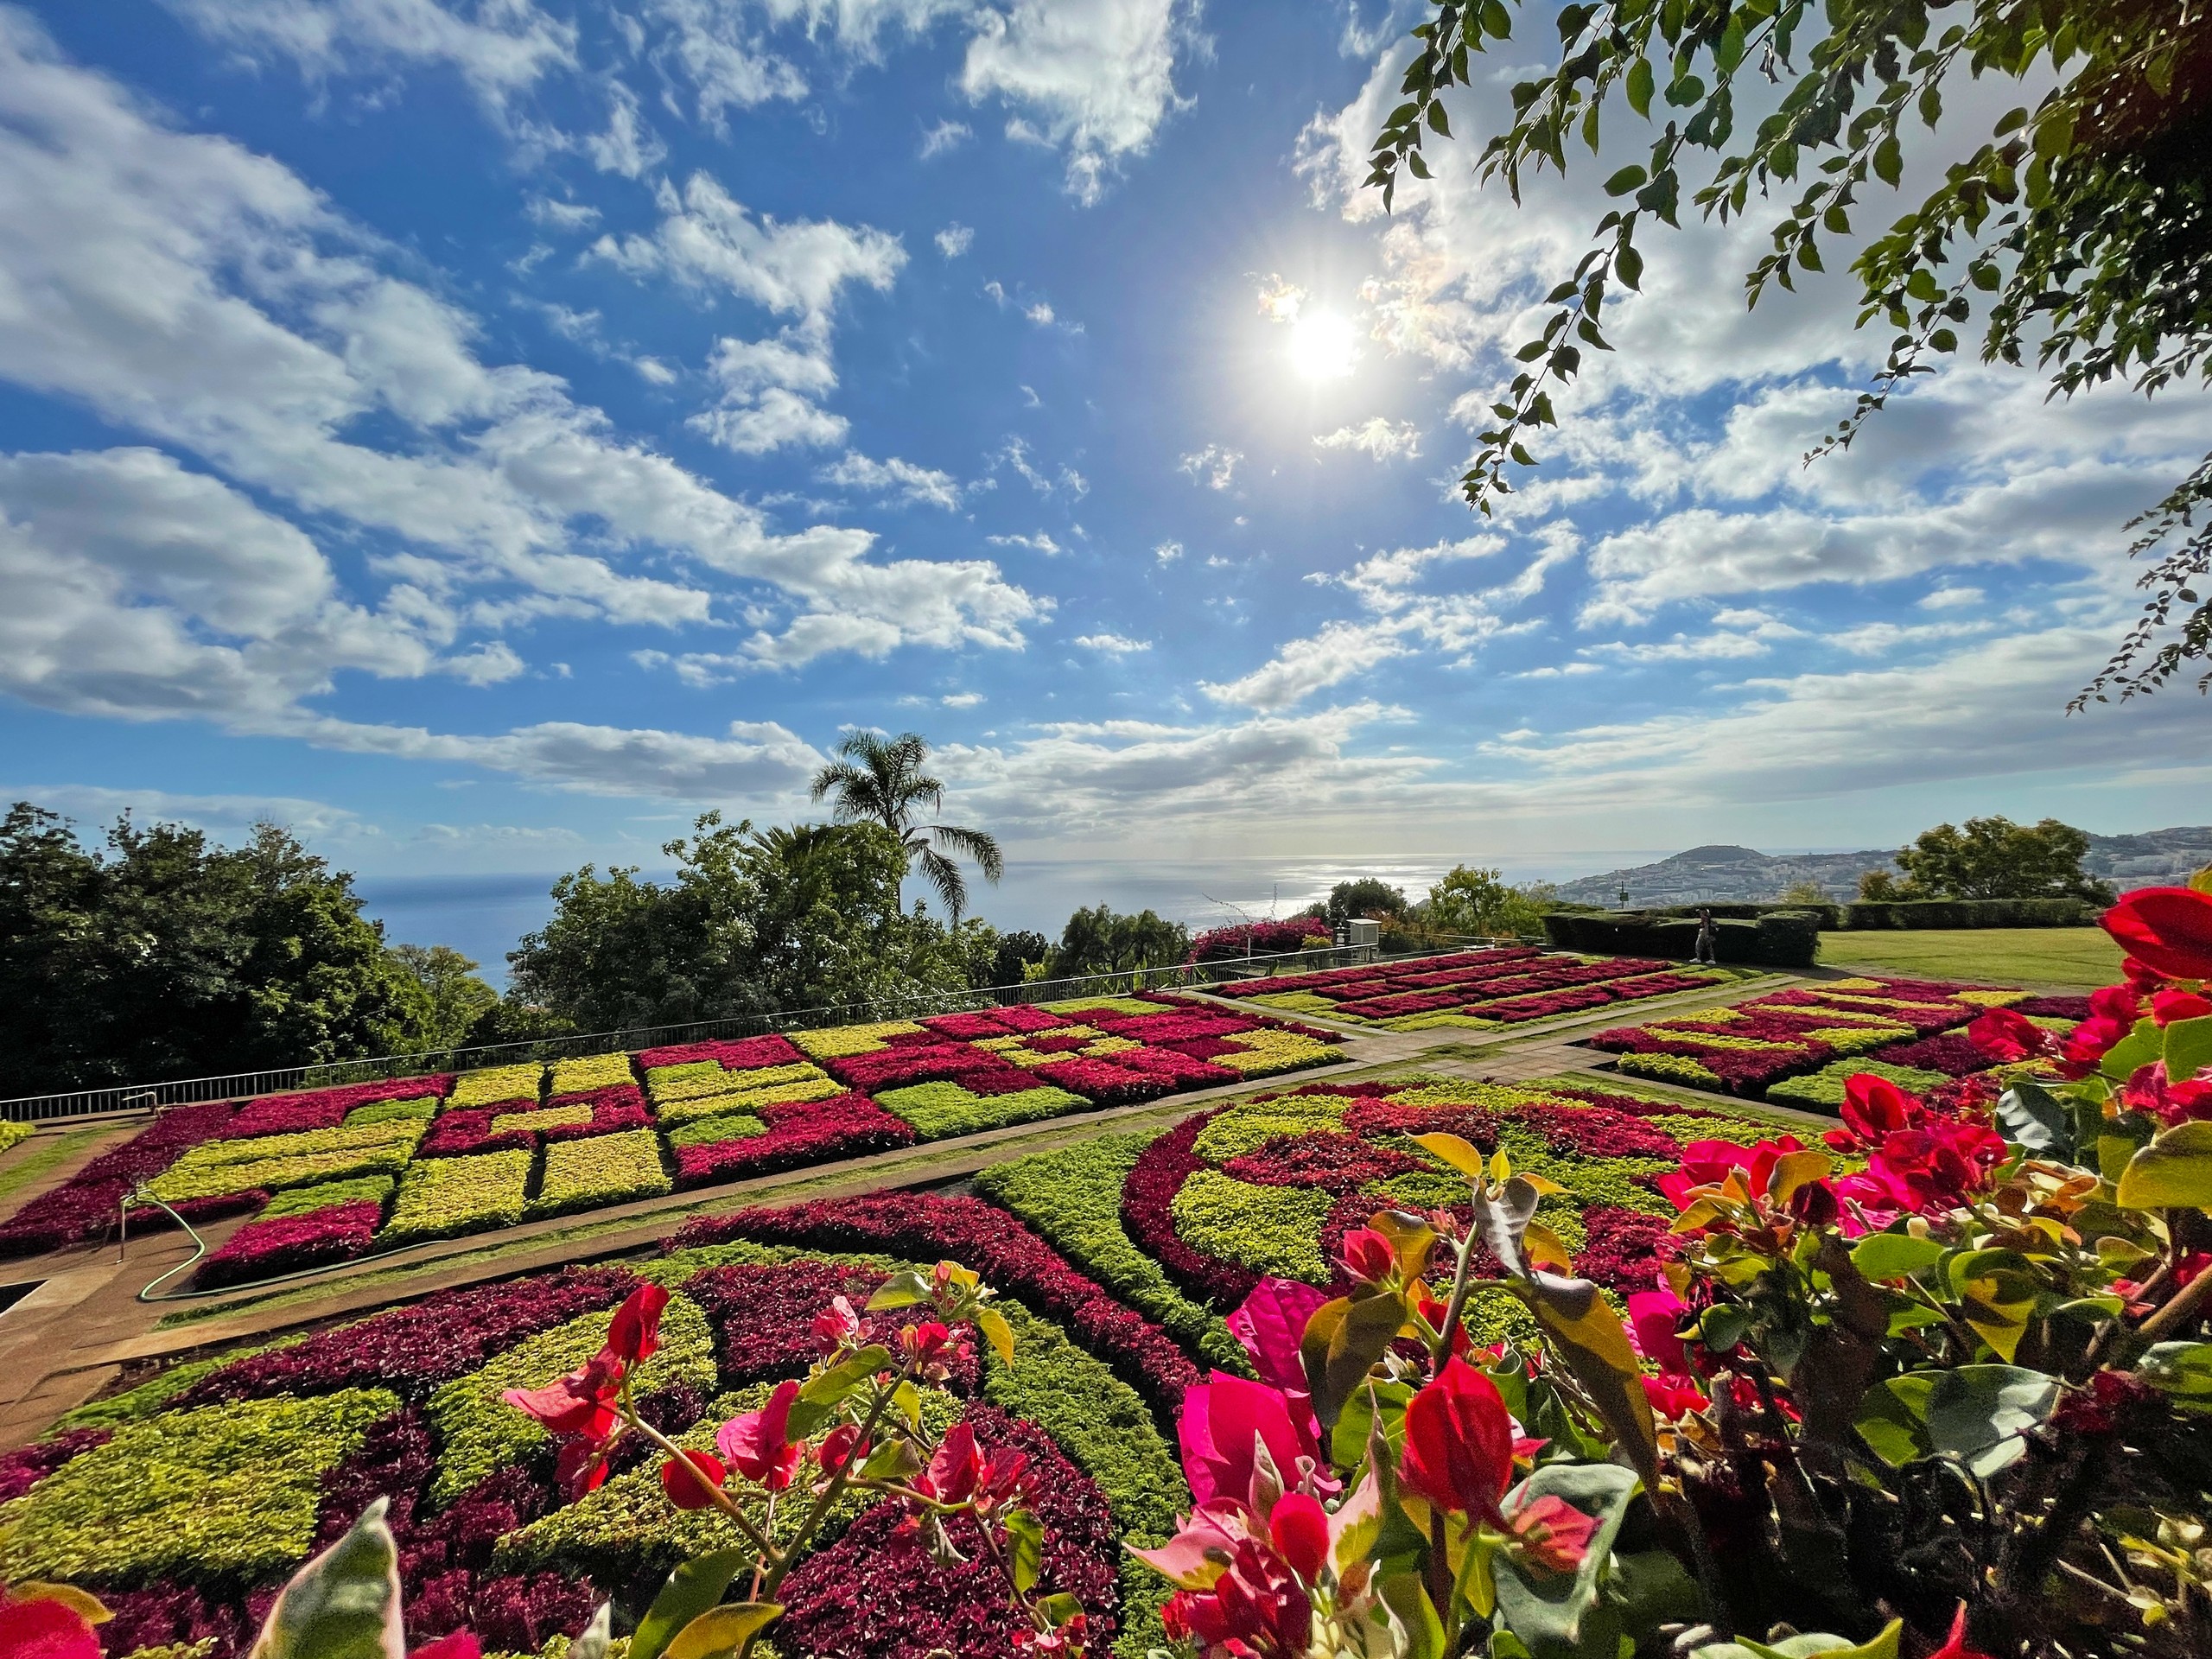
x=1322 y=346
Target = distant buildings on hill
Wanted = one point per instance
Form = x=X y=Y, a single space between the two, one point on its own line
x=1740 y=875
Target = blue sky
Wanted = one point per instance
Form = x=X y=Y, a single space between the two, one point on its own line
x=484 y=434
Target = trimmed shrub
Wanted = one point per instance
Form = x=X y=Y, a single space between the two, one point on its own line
x=440 y=1198
x=605 y=1169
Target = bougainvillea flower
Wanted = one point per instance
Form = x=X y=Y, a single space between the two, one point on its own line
x=1709 y=1163
x=1553 y=1534
x=1673 y=1398
x=2004 y=1036
x=579 y=1403
x=1956 y=1645
x=461 y=1645
x=40 y=1627
x=1874 y=1107
x=1299 y=1531
x=582 y=1466
x=2167 y=1007
x=1458 y=1450
x=1434 y=1312
x=1192 y=1558
x=1368 y=1254
x=683 y=1489
x=2149 y=1090
x=1654 y=1318
x=1270 y=1322
x=956 y=1468
x=840 y=1446
x=1933 y=1168
x=929 y=1349
x=756 y=1443
x=1256 y=1603
x=2166 y=928
x=634 y=1335
x=1072 y=1637
x=1223 y=1418
x=834 y=1325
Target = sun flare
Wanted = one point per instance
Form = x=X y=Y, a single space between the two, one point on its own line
x=1322 y=346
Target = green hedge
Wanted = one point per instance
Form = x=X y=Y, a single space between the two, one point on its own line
x=1781 y=938
x=1971 y=912
x=1073 y=1198
x=937 y=1110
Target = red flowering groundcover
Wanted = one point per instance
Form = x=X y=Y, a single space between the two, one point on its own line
x=503 y=1550
x=1509 y=986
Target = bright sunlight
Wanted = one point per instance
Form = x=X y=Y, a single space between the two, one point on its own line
x=1322 y=346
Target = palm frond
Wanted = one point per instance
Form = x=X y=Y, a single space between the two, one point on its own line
x=974 y=843
x=945 y=876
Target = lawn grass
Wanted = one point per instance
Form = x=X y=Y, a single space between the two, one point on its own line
x=2080 y=957
x=35 y=1157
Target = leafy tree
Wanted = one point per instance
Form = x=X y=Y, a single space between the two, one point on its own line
x=1880 y=886
x=1015 y=953
x=779 y=920
x=881 y=780
x=457 y=999
x=1995 y=858
x=1803 y=893
x=1097 y=941
x=2079 y=232
x=1367 y=896
x=1480 y=902
x=162 y=955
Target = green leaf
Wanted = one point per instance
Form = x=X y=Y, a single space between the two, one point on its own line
x=1888 y=161
x=2181 y=1369
x=1974 y=1413
x=901 y=1290
x=2140 y=1047
x=2174 y=1172
x=1343 y=1341
x=1628 y=265
x=1629 y=178
x=821 y=1395
x=1348 y=1440
x=1590 y=1337
x=691 y=1591
x=1813 y=1645
x=2189 y=1048
x=2031 y=1117
x=342 y=1605
x=722 y=1630
x=1547 y=1610
x=1414 y=1621
x=1894 y=1256
x=1639 y=87
x=1025 y=1534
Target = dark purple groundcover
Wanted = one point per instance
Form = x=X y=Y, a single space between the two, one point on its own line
x=262 y=1249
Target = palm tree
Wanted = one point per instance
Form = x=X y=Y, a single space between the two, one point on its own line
x=881 y=781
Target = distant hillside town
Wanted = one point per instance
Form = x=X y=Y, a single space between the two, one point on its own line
x=1739 y=874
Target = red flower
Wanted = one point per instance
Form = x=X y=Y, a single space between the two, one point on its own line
x=1368 y=1254
x=757 y=1445
x=1708 y=1163
x=461 y=1645
x=1255 y=1608
x=2167 y=1007
x=1223 y=1418
x=1935 y=1167
x=582 y=1466
x=1654 y=1318
x=634 y=1335
x=840 y=1446
x=2169 y=929
x=956 y=1469
x=1674 y=1397
x=683 y=1489
x=1955 y=1647
x=836 y=1325
x=2004 y=1036
x=1459 y=1443
x=1270 y=1322
x=1553 y=1534
x=2148 y=1090
x=1299 y=1530
x=929 y=1349
x=44 y=1629
x=579 y=1403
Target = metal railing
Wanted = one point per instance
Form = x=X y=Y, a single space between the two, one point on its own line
x=88 y=1103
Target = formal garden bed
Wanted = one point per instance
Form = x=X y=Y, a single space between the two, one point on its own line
x=1798 y=1047
x=333 y=1174
x=1474 y=991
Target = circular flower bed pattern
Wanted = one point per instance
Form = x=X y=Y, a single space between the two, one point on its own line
x=1479 y=990
x=184 y=1503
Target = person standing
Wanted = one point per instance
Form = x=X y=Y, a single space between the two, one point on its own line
x=1707 y=936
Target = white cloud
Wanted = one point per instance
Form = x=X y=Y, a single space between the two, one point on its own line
x=962 y=700
x=956 y=239
x=502 y=50
x=1383 y=440
x=655 y=371
x=923 y=486
x=1040 y=314
x=629 y=146
x=945 y=136
x=1016 y=455
x=1112 y=644
x=1948 y=598
x=1281 y=301
x=219 y=815
x=1040 y=542
x=561 y=215
x=1095 y=78
x=1214 y=465
x=1301 y=667
x=707 y=42
x=757 y=760
x=1168 y=552
x=709 y=239
x=180 y=286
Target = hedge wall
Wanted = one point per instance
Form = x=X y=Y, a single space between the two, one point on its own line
x=1972 y=913
x=1782 y=939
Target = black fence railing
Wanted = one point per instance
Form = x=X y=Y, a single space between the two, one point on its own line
x=123 y=1097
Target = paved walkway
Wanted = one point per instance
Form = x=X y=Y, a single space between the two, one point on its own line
x=83 y=1328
